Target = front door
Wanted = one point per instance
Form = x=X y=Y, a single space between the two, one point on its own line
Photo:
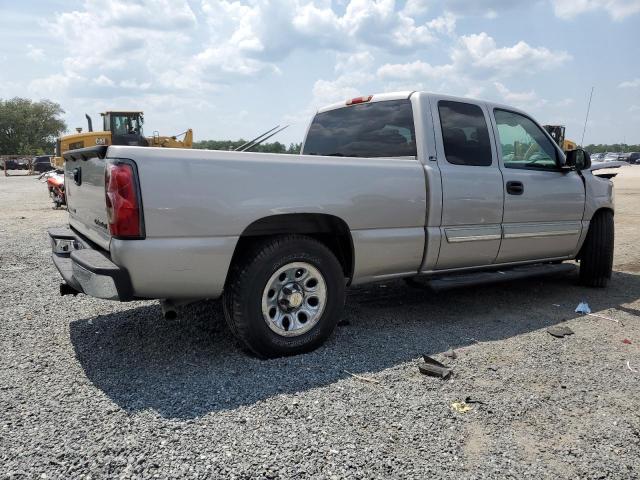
x=472 y=191
x=543 y=205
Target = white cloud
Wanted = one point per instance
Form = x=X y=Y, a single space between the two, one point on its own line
x=443 y=24
x=474 y=91
x=477 y=57
x=486 y=8
x=120 y=40
x=34 y=53
x=635 y=83
x=103 y=81
x=415 y=70
x=565 y=9
x=415 y=7
x=617 y=9
x=480 y=50
x=528 y=99
x=354 y=73
x=222 y=41
x=354 y=62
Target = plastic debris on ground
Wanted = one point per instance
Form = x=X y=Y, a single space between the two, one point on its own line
x=434 y=368
x=451 y=353
x=583 y=307
x=559 y=331
x=461 y=407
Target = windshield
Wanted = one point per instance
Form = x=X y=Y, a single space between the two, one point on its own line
x=126 y=124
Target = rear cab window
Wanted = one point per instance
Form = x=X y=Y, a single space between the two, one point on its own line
x=465 y=134
x=378 y=129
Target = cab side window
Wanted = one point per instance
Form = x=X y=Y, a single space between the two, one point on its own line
x=523 y=144
x=465 y=134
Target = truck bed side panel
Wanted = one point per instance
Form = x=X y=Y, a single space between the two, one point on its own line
x=207 y=195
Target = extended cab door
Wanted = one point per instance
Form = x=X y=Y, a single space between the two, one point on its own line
x=543 y=206
x=472 y=188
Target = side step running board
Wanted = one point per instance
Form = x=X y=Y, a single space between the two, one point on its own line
x=495 y=276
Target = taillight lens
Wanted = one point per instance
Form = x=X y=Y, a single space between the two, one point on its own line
x=123 y=204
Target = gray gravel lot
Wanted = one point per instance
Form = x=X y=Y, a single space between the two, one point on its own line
x=101 y=389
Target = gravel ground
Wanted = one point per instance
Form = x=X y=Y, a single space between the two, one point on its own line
x=92 y=388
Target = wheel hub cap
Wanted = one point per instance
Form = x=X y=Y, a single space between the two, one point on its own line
x=294 y=299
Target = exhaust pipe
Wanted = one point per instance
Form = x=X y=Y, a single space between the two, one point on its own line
x=169 y=311
x=66 y=289
x=170 y=307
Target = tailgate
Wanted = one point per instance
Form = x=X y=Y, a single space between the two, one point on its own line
x=84 y=188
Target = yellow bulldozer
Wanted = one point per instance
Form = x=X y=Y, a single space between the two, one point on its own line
x=118 y=128
x=557 y=132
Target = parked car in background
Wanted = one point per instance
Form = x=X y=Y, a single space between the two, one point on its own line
x=597 y=157
x=11 y=165
x=614 y=157
x=23 y=163
x=42 y=164
x=633 y=158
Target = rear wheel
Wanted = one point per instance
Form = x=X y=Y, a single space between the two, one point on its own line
x=596 y=256
x=285 y=296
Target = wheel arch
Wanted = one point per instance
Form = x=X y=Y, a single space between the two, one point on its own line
x=599 y=211
x=331 y=230
x=602 y=209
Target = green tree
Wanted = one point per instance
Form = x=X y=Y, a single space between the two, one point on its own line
x=613 y=147
x=28 y=127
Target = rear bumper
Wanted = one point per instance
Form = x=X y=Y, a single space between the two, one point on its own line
x=88 y=269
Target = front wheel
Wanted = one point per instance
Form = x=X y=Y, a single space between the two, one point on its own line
x=285 y=296
x=596 y=256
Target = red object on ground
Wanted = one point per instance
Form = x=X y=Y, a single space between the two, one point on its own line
x=627 y=341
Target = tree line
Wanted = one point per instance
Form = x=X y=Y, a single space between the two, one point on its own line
x=275 y=147
x=614 y=147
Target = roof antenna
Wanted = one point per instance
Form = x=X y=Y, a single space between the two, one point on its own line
x=586 y=118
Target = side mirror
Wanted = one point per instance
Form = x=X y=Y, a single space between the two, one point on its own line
x=577 y=159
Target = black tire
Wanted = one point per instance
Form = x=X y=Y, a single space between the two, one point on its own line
x=596 y=256
x=248 y=279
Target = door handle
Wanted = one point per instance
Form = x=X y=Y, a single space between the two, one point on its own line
x=515 y=188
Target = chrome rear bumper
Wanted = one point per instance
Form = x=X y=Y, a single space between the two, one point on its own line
x=87 y=269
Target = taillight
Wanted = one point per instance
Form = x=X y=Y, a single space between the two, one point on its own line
x=355 y=101
x=123 y=205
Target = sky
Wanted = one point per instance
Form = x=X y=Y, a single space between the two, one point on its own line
x=233 y=69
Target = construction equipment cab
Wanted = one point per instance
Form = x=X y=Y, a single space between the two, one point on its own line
x=125 y=128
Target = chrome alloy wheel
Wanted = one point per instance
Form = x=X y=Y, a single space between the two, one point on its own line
x=294 y=299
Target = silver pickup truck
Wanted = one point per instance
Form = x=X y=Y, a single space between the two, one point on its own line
x=386 y=186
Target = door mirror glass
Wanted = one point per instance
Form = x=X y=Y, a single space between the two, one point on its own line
x=578 y=159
